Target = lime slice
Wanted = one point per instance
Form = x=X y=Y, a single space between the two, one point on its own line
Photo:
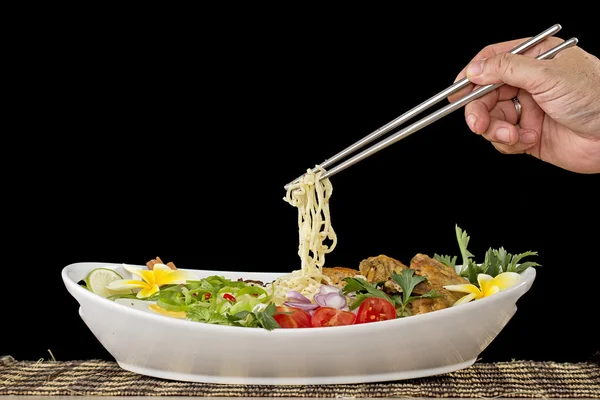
x=98 y=278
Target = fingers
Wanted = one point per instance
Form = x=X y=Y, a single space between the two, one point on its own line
x=496 y=51
x=512 y=69
x=486 y=52
x=479 y=112
x=493 y=115
x=498 y=122
x=518 y=140
x=484 y=122
x=502 y=133
x=532 y=117
x=490 y=51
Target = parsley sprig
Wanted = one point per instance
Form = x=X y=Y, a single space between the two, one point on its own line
x=257 y=319
x=495 y=262
x=407 y=282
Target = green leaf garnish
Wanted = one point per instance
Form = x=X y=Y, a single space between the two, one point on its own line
x=495 y=261
x=199 y=313
x=263 y=319
x=447 y=260
x=463 y=242
x=407 y=280
x=360 y=286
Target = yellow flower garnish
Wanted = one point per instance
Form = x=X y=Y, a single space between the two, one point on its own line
x=152 y=279
x=487 y=286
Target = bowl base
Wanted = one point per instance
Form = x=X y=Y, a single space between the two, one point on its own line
x=292 y=380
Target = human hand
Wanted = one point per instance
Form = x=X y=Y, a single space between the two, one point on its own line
x=560 y=99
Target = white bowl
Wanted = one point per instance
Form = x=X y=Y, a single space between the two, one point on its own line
x=417 y=346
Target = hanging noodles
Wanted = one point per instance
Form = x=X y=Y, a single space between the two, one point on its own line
x=311 y=196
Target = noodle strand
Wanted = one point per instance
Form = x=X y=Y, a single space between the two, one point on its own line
x=310 y=195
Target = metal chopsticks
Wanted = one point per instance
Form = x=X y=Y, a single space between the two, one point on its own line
x=435 y=115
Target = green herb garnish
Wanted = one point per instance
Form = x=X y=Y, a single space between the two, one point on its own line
x=363 y=289
x=495 y=262
x=256 y=319
x=407 y=282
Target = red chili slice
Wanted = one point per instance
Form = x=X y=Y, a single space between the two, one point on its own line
x=229 y=297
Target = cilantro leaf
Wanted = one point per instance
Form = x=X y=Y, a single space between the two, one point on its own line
x=200 y=313
x=495 y=262
x=263 y=319
x=407 y=281
x=491 y=264
x=360 y=297
x=463 y=242
x=359 y=286
x=514 y=266
x=472 y=271
x=447 y=260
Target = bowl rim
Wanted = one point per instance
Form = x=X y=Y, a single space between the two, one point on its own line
x=528 y=277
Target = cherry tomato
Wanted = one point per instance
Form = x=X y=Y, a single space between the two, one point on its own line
x=374 y=309
x=329 y=316
x=296 y=319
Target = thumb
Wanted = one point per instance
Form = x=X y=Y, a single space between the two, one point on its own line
x=512 y=69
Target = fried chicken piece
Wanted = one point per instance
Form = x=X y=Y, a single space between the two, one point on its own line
x=379 y=268
x=337 y=275
x=438 y=275
x=150 y=264
x=422 y=306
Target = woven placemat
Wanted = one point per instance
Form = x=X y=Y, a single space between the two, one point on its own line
x=516 y=379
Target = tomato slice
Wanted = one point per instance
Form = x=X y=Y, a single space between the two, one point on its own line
x=296 y=319
x=374 y=309
x=329 y=316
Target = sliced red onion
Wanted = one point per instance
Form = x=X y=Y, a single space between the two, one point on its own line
x=319 y=299
x=332 y=299
x=297 y=297
x=326 y=289
x=301 y=305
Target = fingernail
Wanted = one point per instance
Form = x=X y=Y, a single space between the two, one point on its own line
x=471 y=121
x=475 y=68
x=528 y=137
x=503 y=135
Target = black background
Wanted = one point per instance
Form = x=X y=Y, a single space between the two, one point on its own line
x=171 y=133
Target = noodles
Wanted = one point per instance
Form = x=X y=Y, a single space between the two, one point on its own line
x=311 y=196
